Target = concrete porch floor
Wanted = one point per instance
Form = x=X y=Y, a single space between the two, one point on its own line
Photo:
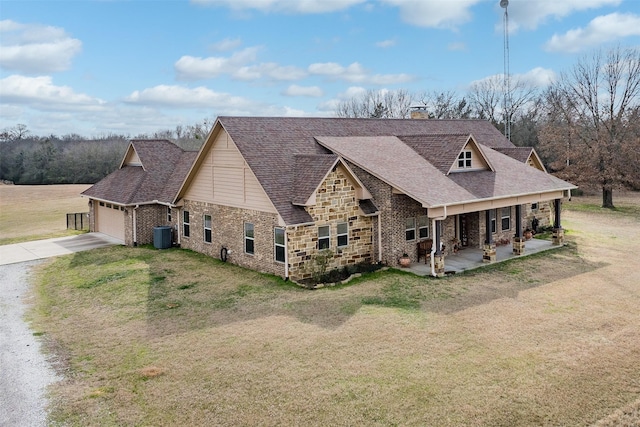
x=470 y=258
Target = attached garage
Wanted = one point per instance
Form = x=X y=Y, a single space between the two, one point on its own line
x=110 y=220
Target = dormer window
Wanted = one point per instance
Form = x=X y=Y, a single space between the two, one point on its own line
x=464 y=159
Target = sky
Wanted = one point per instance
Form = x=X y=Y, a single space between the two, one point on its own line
x=95 y=68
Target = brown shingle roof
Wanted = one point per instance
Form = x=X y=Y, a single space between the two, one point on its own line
x=519 y=153
x=440 y=150
x=269 y=145
x=309 y=172
x=164 y=167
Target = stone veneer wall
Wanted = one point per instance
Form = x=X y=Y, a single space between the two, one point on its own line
x=227 y=230
x=544 y=214
x=336 y=202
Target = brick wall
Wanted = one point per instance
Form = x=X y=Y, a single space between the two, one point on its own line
x=336 y=203
x=227 y=230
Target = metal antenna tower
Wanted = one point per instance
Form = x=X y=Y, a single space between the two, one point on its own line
x=507 y=83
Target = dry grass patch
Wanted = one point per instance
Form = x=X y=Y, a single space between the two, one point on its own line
x=31 y=212
x=173 y=337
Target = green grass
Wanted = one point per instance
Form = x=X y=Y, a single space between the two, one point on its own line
x=174 y=337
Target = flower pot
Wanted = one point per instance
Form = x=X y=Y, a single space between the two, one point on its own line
x=405 y=261
x=528 y=234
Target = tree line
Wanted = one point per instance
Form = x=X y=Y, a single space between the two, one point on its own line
x=585 y=126
x=73 y=159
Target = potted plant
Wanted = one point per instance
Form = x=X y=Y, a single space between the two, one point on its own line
x=528 y=234
x=405 y=261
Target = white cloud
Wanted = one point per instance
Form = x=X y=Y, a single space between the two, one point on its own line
x=530 y=14
x=457 y=46
x=269 y=70
x=226 y=45
x=183 y=97
x=537 y=77
x=600 y=30
x=355 y=73
x=386 y=43
x=286 y=6
x=196 y=68
x=36 y=49
x=435 y=13
x=41 y=94
x=295 y=90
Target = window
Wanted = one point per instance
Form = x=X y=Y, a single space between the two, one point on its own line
x=109 y=205
x=410 y=229
x=185 y=223
x=493 y=221
x=249 y=247
x=207 y=228
x=101 y=203
x=168 y=214
x=323 y=237
x=464 y=160
x=534 y=206
x=423 y=227
x=343 y=234
x=278 y=239
x=506 y=218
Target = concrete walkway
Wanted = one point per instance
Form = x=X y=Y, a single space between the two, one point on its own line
x=470 y=258
x=39 y=249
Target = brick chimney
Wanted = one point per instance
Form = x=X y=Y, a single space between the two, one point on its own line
x=419 y=112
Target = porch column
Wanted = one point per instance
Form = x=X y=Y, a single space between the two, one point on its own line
x=489 y=248
x=438 y=256
x=518 y=241
x=558 y=232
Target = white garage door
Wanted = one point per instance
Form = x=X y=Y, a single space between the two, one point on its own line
x=110 y=220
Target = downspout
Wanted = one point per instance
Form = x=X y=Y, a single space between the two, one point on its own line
x=286 y=254
x=379 y=238
x=135 y=226
x=433 y=246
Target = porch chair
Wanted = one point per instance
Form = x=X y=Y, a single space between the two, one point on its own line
x=424 y=249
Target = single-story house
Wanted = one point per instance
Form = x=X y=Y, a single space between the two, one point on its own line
x=271 y=193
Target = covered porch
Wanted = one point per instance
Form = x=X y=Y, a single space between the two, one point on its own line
x=471 y=258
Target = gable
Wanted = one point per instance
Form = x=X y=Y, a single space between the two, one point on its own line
x=361 y=193
x=131 y=157
x=470 y=158
x=222 y=176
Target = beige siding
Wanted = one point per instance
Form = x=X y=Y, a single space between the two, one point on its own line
x=225 y=178
x=201 y=188
x=477 y=161
x=132 y=158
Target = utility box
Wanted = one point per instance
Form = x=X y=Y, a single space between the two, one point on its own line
x=162 y=237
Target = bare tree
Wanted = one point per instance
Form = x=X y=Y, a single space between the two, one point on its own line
x=487 y=99
x=592 y=124
x=446 y=105
x=388 y=104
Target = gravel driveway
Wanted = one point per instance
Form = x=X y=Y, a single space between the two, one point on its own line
x=24 y=370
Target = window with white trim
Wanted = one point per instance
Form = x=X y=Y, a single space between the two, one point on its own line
x=169 y=214
x=185 y=224
x=343 y=234
x=423 y=227
x=249 y=236
x=464 y=159
x=278 y=243
x=506 y=218
x=324 y=237
x=207 y=228
x=410 y=229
